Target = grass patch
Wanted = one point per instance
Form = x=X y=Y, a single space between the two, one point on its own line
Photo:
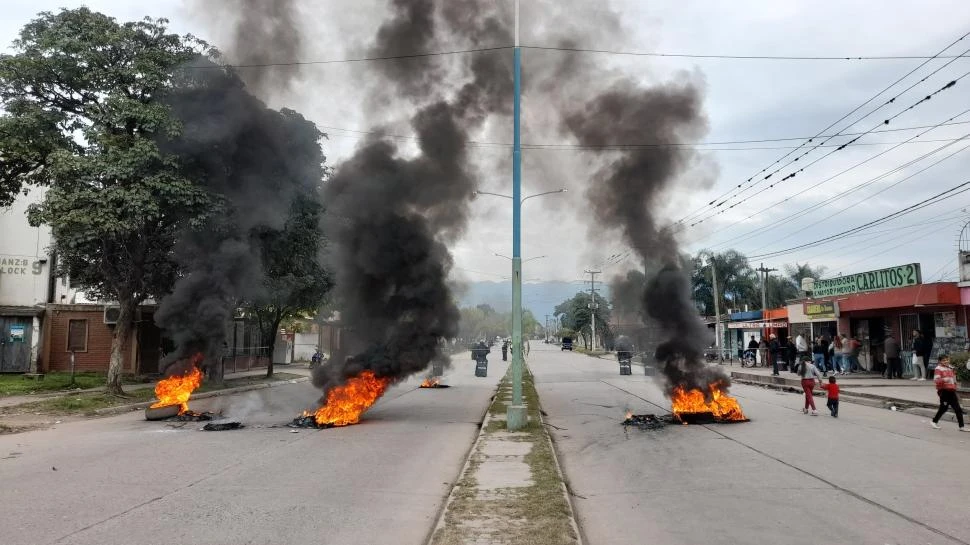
x=538 y=514
x=593 y=353
x=80 y=404
x=87 y=403
x=11 y=385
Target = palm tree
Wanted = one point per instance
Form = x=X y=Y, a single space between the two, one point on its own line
x=737 y=282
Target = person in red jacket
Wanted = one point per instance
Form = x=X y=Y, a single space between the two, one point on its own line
x=946 y=389
x=833 y=402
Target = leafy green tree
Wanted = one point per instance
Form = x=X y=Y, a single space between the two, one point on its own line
x=84 y=112
x=577 y=316
x=296 y=285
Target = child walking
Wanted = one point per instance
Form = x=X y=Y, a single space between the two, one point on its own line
x=809 y=373
x=833 y=401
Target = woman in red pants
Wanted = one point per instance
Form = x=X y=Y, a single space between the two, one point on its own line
x=808 y=372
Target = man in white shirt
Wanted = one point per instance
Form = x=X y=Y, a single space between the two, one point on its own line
x=801 y=346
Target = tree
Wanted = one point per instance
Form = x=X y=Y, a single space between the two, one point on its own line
x=84 y=115
x=737 y=282
x=576 y=315
x=798 y=271
x=296 y=285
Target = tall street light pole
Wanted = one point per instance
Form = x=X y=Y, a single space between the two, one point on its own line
x=517 y=415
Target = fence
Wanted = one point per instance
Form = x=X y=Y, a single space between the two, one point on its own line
x=244 y=359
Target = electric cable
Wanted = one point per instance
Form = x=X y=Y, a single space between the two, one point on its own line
x=821 y=132
x=939 y=197
x=794 y=173
x=754 y=232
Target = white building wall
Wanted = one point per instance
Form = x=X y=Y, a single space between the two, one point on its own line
x=24 y=261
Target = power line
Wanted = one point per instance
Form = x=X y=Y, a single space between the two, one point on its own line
x=740 y=57
x=352 y=60
x=564 y=49
x=821 y=132
x=748 y=234
x=888 y=187
x=794 y=173
x=939 y=197
x=644 y=145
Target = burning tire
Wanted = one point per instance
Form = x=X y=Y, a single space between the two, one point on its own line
x=161 y=413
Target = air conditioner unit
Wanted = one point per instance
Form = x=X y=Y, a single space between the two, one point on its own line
x=111 y=314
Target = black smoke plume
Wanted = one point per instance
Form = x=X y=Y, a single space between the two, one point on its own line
x=257 y=164
x=265 y=38
x=391 y=212
x=626 y=192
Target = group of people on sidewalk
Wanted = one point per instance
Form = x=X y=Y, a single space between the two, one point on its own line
x=841 y=354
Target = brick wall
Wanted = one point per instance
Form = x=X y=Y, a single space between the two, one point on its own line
x=98 y=352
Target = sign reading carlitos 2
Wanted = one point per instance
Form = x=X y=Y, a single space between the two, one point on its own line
x=883 y=279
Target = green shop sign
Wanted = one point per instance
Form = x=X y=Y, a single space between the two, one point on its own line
x=883 y=279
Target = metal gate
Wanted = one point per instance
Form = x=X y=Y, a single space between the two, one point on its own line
x=15 y=337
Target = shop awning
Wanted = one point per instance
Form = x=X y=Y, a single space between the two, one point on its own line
x=939 y=294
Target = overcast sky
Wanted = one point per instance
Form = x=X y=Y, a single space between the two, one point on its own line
x=745 y=100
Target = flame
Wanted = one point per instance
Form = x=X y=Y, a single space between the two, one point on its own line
x=177 y=389
x=721 y=405
x=431 y=382
x=346 y=403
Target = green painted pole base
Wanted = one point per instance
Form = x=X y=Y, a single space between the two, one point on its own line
x=516 y=417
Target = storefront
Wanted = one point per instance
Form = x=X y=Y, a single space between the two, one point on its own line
x=778 y=318
x=812 y=320
x=739 y=336
x=936 y=310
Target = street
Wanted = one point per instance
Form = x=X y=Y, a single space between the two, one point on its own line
x=123 y=480
x=871 y=476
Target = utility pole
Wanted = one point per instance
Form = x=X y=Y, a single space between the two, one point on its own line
x=592 y=304
x=764 y=282
x=516 y=416
x=717 y=310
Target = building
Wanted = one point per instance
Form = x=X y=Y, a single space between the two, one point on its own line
x=872 y=305
x=27 y=285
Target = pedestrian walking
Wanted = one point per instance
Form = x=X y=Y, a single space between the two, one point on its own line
x=819 y=347
x=894 y=364
x=919 y=356
x=774 y=352
x=808 y=372
x=833 y=396
x=835 y=351
x=946 y=389
x=505 y=350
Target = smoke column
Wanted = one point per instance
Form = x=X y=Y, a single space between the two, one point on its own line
x=257 y=163
x=391 y=213
x=625 y=193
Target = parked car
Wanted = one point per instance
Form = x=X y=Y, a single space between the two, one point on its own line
x=567 y=344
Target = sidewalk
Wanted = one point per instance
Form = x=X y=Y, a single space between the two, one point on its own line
x=13 y=401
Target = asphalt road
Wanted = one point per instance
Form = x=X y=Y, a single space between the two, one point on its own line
x=123 y=480
x=871 y=476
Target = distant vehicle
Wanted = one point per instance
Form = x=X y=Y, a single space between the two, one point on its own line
x=567 y=344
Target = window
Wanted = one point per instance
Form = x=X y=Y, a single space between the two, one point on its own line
x=907 y=323
x=77 y=336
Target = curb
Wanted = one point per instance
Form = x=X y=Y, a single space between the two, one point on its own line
x=108 y=411
x=562 y=477
x=440 y=522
